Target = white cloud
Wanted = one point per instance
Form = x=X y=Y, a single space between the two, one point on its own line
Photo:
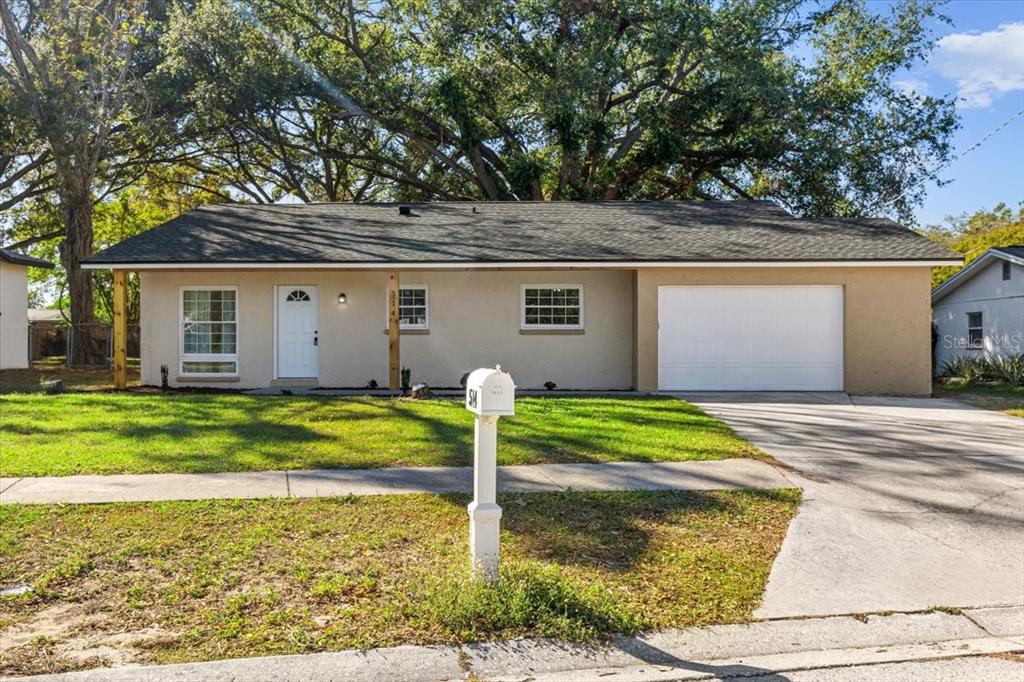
x=911 y=86
x=983 y=65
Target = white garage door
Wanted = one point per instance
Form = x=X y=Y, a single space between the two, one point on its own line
x=758 y=338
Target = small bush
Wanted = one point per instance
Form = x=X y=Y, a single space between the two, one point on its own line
x=530 y=598
x=997 y=368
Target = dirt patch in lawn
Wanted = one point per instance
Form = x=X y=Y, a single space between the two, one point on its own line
x=186 y=581
x=1000 y=397
x=74 y=378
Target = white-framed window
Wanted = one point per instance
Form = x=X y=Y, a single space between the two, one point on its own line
x=975 y=331
x=413 y=307
x=552 y=306
x=209 y=330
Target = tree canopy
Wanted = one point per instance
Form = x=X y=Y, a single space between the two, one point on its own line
x=547 y=99
x=971 y=235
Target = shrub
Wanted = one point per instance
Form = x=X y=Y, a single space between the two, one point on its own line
x=1001 y=369
x=1008 y=369
x=531 y=598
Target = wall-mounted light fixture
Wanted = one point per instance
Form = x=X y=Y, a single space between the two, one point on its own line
x=342 y=298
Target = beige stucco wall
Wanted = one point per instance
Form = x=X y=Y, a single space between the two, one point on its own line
x=13 y=316
x=474 y=322
x=887 y=320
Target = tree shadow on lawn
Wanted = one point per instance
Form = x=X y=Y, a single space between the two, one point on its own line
x=612 y=531
x=301 y=432
x=557 y=438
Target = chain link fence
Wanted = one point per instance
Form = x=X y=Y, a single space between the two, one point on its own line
x=80 y=345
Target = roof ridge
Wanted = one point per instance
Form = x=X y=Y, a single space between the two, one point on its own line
x=495 y=202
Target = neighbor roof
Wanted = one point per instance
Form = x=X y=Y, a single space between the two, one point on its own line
x=1013 y=251
x=17 y=258
x=1014 y=254
x=514 y=232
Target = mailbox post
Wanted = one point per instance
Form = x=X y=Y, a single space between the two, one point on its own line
x=490 y=394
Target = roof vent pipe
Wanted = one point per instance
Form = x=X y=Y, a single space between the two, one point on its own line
x=405 y=210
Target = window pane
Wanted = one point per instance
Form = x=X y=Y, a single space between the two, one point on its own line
x=973 y=319
x=556 y=307
x=209 y=326
x=412 y=307
x=208 y=367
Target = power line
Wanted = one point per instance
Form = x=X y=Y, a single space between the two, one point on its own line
x=979 y=142
x=931 y=175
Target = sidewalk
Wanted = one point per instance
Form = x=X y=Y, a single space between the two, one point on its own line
x=725 y=474
x=776 y=650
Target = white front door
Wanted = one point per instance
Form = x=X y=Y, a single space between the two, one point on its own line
x=297 y=332
x=750 y=338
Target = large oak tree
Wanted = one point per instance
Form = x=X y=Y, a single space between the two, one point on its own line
x=562 y=99
x=73 y=92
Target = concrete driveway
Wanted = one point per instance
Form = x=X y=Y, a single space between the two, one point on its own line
x=908 y=503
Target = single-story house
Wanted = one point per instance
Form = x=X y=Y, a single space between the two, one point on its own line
x=14 y=306
x=709 y=295
x=980 y=310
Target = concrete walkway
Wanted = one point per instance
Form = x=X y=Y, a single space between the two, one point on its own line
x=711 y=475
x=908 y=503
x=918 y=646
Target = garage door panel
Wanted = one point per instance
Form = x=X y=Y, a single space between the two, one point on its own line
x=750 y=338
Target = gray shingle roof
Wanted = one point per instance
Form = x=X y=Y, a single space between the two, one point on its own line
x=1017 y=251
x=22 y=259
x=526 y=232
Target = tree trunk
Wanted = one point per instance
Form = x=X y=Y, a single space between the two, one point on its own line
x=76 y=210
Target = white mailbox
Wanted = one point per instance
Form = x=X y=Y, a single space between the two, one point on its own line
x=490 y=392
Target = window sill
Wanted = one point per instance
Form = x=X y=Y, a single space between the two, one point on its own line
x=192 y=379
x=552 y=332
x=411 y=332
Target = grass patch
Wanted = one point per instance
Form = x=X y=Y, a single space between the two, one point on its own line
x=1001 y=397
x=106 y=433
x=187 y=581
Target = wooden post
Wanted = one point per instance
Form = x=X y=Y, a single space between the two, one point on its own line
x=394 y=355
x=120 y=329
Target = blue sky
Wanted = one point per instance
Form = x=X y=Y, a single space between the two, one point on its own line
x=980 y=59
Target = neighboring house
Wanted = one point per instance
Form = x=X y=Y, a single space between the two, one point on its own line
x=49 y=317
x=714 y=295
x=980 y=310
x=14 y=307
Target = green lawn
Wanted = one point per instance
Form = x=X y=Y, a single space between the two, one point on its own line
x=187 y=581
x=105 y=433
x=1001 y=397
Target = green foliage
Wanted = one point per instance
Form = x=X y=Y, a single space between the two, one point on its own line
x=531 y=597
x=543 y=99
x=158 y=196
x=972 y=235
x=996 y=368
